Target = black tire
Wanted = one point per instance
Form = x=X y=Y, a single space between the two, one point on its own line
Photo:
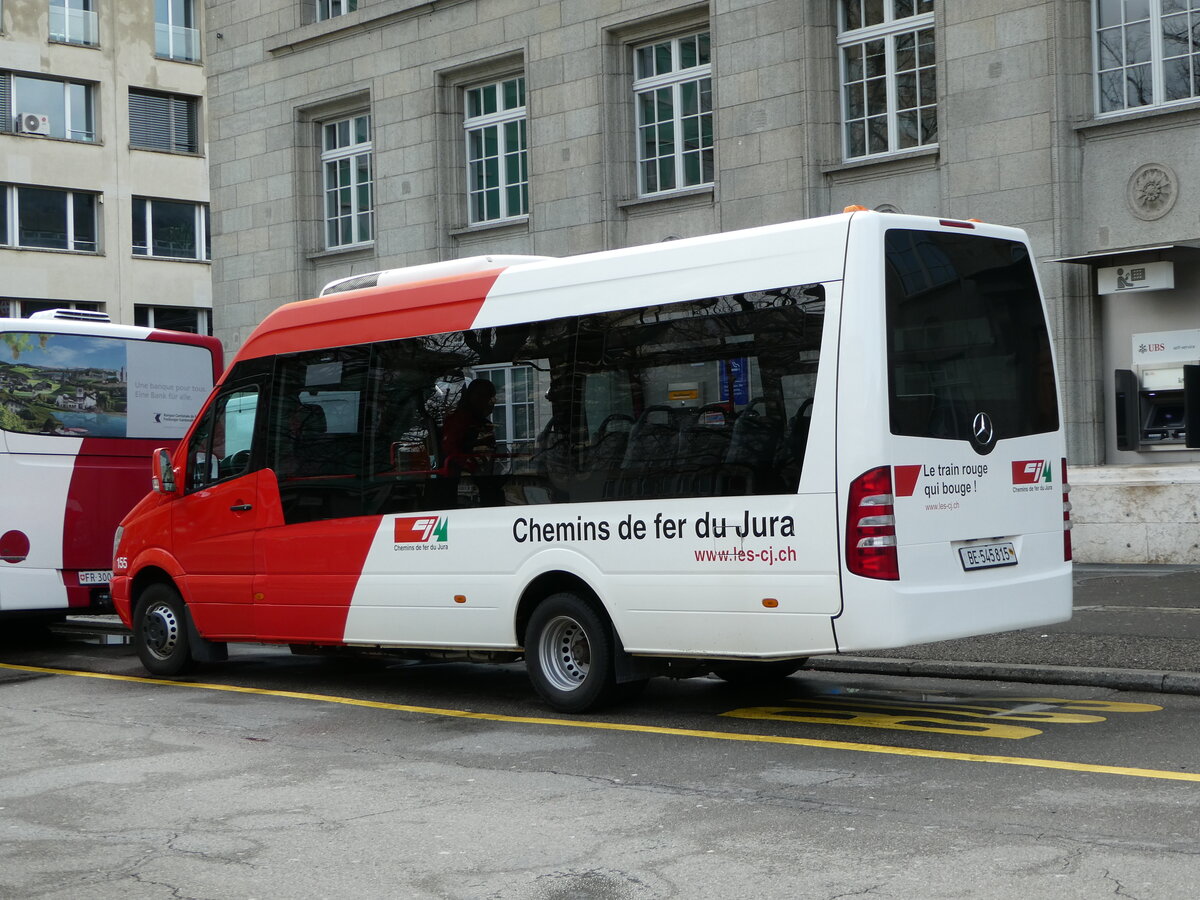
x=569 y=651
x=160 y=632
x=756 y=673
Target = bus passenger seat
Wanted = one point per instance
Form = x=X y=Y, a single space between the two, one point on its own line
x=650 y=452
x=701 y=449
x=752 y=446
x=550 y=462
x=790 y=459
x=600 y=463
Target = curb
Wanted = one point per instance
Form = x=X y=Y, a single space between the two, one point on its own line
x=1115 y=679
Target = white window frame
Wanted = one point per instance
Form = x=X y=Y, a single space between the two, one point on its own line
x=671 y=84
x=508 y=128
x=13 y=104
x=199 y=224
x=75 y=21
x=347 y=158
x=503 y=412
x=10 y=208
x=173 y=40
x=203 y=316
x=895 y=25
x=17 y=309
x=331 y=9
x=1157 y=63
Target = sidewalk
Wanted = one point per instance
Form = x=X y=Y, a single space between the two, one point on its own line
x=1135 y=628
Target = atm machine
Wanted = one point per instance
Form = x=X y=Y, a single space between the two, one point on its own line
x=1158 y=396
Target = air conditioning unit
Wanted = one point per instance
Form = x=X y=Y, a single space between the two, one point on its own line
x=78 y=315
x=33 y=123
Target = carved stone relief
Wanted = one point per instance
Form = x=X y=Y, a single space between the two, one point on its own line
x=1151 y=191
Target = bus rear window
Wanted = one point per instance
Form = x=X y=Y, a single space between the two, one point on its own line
x=82 y=385
x=966 y=334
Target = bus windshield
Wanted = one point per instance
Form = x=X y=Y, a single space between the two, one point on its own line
x=966 y=334
x=81 y=385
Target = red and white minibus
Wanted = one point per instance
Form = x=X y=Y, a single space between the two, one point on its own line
x=723 y=454
x=82 y=403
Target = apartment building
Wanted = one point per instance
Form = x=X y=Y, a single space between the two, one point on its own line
x=353 y=135
x=103 y=168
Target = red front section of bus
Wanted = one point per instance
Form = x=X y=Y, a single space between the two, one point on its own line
x=244 y=573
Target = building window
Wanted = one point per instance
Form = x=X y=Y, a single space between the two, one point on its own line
x=497 y=151
x=47 y=106
x=170 y=229
x=163 y=122
x=1147 y=52
x=73 y=22
x=327 y=9
x=348 y=185
x=174 y=318
x=12 y=308
x=515 y=412
x=889 y=76
x=175 y=33
x=672 y=92
x=40 y=218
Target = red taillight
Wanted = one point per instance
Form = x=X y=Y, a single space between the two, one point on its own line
x=871 y=526
x=1066 y=514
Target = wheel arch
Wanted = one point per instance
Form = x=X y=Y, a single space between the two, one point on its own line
x=553 y=582
x=146 y=576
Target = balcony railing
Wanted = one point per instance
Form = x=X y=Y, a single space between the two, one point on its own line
x=73 y=26
x=176 y=42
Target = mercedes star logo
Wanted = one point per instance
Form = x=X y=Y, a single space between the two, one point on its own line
x=982 y=429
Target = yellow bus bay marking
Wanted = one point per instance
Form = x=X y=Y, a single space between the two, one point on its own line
x=972 y=719
x=629 y=727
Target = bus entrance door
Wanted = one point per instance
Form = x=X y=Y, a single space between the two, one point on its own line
x=215 y=546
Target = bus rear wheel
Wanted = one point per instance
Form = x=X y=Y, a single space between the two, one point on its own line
x=160 y=633
x=569 y=651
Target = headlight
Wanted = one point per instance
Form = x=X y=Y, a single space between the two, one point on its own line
x=117 y=539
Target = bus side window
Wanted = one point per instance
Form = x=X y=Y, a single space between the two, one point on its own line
x=707 y=398
x=220 y=447
x=315 y=442
x=402 y=440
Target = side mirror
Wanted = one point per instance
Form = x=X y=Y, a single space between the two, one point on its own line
x=162 y=474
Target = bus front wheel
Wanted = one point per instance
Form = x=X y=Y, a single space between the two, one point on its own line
x=160 y=633
x=569 y=654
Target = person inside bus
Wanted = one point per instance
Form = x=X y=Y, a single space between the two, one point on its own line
x=469 y=443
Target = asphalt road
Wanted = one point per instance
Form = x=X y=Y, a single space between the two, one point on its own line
x=278 y=776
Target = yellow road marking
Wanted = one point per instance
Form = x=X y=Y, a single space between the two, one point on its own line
x=923 y=720
x=643 y=729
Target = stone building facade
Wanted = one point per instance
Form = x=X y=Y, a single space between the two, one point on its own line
x=348 y=136
x=103 y=170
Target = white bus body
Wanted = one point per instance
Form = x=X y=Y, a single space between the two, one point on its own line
x=724 y=453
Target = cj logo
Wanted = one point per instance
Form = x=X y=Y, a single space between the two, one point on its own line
x=421 y=529
x=1031 y=471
